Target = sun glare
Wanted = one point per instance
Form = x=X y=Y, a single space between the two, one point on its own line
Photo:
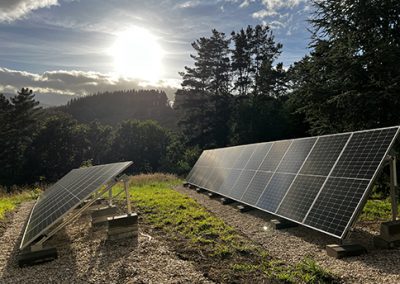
x=137 y=54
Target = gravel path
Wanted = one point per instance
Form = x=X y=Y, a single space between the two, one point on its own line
x=85 y=257
x=292 y=245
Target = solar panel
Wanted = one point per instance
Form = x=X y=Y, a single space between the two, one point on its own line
x=65 y=195
x=321 y=182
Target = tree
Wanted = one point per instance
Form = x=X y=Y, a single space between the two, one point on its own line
x=203 y=103
x=350 y=80
x=144 y=143
x=58 y=147
x=258 y=84
x=21 y=122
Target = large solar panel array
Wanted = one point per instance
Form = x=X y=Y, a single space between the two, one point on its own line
x=65 y=195
x=320 y=182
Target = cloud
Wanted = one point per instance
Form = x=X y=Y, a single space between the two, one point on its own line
x=274 y=7
x=263 y=14
x=11 y=10
x=189 y=4
x=75 y=83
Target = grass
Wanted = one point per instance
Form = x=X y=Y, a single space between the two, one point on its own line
x=8 y=202
x=377 y=210
x=224 y=254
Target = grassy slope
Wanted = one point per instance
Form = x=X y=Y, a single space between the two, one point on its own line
x=9 y=202
x=222 y=253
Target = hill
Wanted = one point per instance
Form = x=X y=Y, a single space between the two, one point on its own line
x=48 y=100
x=114 y=107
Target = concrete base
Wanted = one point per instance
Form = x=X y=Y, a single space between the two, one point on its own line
x=381 y=243
x=122 y=227
x=104 y=212
x=212 y=195
x=100 y=222
x=36 y=257
x=199 y=190
x=390 y=231
x=282 y=224
x=226 y=201
x=341 y=251
x=244 y=208
x=97 y=207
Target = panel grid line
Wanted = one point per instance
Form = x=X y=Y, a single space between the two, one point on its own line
x=291 y=142
x=329 y=174
x=283 y=198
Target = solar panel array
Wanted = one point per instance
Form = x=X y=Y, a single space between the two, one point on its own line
x=65 y=195
x=320 y=182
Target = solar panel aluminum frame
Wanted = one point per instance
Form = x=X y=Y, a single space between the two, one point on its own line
x=362 y=201
x=38 y=244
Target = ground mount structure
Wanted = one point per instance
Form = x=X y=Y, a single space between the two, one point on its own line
x=319 y=182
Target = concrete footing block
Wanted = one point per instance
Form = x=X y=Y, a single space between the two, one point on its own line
x=212 y=195
x=226 y=201
x=244 y=208
x=125 y=220
x=99 y=222
x=341 y=251
x=279 y=224
x=390 y=231
x=29 y=258
x=122 y=227
x=104 y=212
x=199 y=190
x=381 y=243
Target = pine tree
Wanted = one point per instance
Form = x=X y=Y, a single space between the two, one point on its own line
x=350 y=80
x=203 y=102
x=23 y=117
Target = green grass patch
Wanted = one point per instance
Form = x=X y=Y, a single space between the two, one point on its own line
x=222 y=253
x=375 y=210
x=8 y=202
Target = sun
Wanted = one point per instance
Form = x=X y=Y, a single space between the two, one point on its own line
x=137 y=54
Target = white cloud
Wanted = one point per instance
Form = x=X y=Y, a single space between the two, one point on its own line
x=274 y=7
x=189 y=4
x=11 y=10
x=78 y=83
x=263 y=14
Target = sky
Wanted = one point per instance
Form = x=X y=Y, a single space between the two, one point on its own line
x=80 y=47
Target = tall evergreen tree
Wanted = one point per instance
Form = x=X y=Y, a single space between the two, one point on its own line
x=258 y=83
x=23 y=117
x=203 y=103
x=350 y=80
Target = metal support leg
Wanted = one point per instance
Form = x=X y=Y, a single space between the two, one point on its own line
x=110 y=197
x=393 y=187
x=128 y=198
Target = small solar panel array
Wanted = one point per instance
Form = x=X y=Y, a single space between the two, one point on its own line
x=65 y=195
x=320 y=182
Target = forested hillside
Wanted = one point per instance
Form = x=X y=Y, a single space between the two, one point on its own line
x=112 y=108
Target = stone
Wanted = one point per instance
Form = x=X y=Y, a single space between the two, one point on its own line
x=282 y=224
x=341 y=251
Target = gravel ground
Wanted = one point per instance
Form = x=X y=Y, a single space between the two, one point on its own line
x=85 y=257
x=292 y=245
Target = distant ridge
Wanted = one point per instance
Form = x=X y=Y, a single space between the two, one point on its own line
x=114 y=107
x=48 y=100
